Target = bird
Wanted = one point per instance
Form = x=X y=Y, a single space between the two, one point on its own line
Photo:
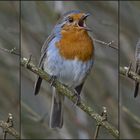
x=137 y=67
x=68 y=56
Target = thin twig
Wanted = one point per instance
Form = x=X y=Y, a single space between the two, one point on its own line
x=8 y=127
x=4 y=135
x=97 y=131
x=109 y=44
x=10 y=123
x=125 y=71
x=11 y=130
x=69 y=94
x=12 y=51
x=104 y=115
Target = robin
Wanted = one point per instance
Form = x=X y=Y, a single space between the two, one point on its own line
x=67 y=55
x=137 y=70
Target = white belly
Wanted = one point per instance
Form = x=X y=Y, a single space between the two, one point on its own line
x=69 y=72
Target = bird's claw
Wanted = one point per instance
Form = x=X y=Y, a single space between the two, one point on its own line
x=52 y=80
x=77 y=98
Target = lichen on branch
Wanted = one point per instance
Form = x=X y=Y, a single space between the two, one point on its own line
x=69 y=94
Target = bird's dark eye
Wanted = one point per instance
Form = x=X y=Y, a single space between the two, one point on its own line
x=70 y=19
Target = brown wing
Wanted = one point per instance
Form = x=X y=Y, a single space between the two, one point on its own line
x=41 y=61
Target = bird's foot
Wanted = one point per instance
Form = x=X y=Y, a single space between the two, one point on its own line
x=78 y=98
x=52 y=80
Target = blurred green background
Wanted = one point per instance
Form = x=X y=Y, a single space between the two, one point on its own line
x=9 y=63
x=101 y=87
x=129 y=35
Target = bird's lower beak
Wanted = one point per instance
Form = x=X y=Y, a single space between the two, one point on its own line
x=88 y=29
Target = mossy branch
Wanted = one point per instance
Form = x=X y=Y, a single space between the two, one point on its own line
x=10 y=130
x=69 y=94
x=125 y=71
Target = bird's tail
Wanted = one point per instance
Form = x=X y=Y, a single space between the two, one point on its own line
x=136 y=89
x=56 y=117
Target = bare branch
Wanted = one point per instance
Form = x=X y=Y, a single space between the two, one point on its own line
x=104 y=115
x=125 y=71
x=12 y=51
x=6 y=126
x=10 y=123
x=109 y=44
x=69 y=94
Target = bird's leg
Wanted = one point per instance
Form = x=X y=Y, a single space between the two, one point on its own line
x=78 y=98
x=52 y=80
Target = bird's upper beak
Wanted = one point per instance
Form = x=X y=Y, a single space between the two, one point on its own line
x=82 y=23
x=85 y=16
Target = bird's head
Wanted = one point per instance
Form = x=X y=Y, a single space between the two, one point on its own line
x=73 y=20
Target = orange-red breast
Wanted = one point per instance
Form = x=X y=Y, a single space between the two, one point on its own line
x=68 y=55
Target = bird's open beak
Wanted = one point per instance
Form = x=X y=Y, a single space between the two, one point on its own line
x=82 y=23
x=85 y=16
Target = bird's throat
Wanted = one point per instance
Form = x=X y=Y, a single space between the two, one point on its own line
x=75 y=44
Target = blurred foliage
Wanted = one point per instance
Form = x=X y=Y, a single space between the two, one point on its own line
x=101 y=87
x=129 y=35
x=9 y=64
